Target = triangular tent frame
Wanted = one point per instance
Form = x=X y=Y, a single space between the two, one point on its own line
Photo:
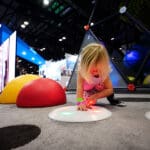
x=117 y=80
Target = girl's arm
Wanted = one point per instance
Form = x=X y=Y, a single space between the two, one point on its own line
x=108 y=90
x=80 y=80
x=81 y=105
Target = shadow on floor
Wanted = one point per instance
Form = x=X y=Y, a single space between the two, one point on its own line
x=18 y=135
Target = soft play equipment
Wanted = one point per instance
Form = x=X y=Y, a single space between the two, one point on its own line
x=147 y=115
x=132 y=59
x=71 y=114
x=40 y=93
x=11 y=90
x=147 y=80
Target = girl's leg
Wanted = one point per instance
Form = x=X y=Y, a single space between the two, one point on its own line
x=114 y=101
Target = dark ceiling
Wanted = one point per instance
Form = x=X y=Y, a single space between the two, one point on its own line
x=47 y=24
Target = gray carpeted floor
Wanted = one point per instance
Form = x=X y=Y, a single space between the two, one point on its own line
x=127 y=129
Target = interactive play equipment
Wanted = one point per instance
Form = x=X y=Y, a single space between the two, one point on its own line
x=131 y=87
x=117 y=80
x=147 y=80
x=147 y=115
x=40 y=93
x=128 y=48
x=132 y=59
x=12 y=89
x=71 y=114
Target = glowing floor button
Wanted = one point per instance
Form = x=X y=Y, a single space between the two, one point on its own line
x=71 y=114
x=147 y=115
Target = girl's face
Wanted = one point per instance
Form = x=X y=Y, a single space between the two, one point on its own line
x=93 y=70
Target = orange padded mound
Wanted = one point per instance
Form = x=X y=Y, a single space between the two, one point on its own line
x=41 y=93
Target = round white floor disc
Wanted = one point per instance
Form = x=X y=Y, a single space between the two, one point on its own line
x=71 y=114
x=147 y=115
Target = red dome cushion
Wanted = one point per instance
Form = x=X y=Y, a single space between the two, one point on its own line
x=41 y=92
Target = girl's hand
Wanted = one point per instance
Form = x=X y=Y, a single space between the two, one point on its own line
x=90 y=102
x=86 y=104
x=82 y=107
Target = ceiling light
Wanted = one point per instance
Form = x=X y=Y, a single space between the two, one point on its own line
x=24 y=53
x=42 y=49
x=23 y=26
x=67 y=10
x=26 y=23
x=19 y=60
x=46 y=2
x=93 y=1
x=112 y=38
x=59 y=24
x=60 y=40
x=122 y=9
x=39 y=62
x=91 y=24
x=64 y=38
x=33 y=58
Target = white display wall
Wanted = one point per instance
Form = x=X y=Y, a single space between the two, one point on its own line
x=7 y=60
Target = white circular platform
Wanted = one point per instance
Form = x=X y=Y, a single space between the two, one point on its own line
x=71 y=114
x=147 y=115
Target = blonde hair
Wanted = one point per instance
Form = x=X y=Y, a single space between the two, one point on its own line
x=94 y=54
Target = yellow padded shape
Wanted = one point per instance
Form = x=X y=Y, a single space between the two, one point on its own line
x=12 y=89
